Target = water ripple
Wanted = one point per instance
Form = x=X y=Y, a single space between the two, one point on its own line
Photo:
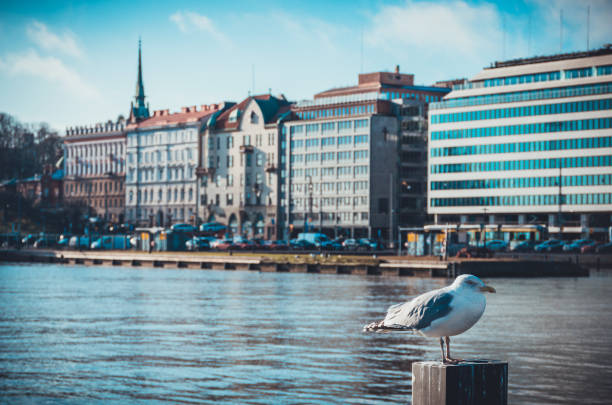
x=76 y=334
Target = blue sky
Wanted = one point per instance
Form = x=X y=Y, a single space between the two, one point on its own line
x=74 y=63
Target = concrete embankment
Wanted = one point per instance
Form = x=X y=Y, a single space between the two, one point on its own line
x=332 y=264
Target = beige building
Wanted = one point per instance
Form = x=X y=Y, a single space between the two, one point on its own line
x=356 y=157
x=95 y=169
x=240 y=166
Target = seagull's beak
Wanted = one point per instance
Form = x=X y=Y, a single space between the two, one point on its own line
x=487 y=288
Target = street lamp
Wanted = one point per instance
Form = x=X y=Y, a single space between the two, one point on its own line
x=484 y=228
x=309 y=214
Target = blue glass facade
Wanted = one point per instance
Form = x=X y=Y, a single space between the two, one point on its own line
x=526 y=111
x=524 y=182
x=524 y=129
x=533 y=154
x=535 y=146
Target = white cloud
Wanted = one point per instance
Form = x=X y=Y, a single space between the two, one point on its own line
x=308 y=31
x=49 y=41
x=188 y=21
x=452 y=27
x=574 y=23
x=51 y=69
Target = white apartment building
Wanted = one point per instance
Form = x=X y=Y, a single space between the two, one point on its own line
x=526 y=142
x=162 y=156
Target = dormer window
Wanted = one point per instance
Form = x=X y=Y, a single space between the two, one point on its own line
x=254 y=118
x=233 y=117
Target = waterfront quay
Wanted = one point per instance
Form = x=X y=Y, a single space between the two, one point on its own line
x=507 y=266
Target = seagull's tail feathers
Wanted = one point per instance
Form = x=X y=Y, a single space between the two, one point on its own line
x=380 y=327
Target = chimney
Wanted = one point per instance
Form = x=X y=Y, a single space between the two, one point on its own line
x=166 y=112
x=193 y=108
x=204 y=107
x=184 y=110
x=397 y=69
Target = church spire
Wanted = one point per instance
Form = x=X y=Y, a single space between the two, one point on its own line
x=139 y=111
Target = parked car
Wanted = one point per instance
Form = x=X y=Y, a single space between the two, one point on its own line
x=197 y=243
x=29 y=239
x=524 y=246
x=496 y=245
x=550 y=245
x=474 y=251
x=212 y=227
x=276 y=244
x=183 y=228
x=223 y=244
x=301 y=244
x=330 y=245
x=576 y=245
x=350 y=244
x=243 y=243
x=43 y=242
x=604 y=248
x=590 y=247
x=111 y=242
x=79 y=242
x=370 y=244
x=62 y=243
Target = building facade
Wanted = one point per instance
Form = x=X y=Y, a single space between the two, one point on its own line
x=345 y=154
x=412 y=185
x=240 y=164
x=526 y=142
x=162 y=157
x=94 y=169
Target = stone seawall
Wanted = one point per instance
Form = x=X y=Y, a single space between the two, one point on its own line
x=396 y=266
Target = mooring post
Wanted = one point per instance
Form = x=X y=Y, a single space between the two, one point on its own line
x=470 y=382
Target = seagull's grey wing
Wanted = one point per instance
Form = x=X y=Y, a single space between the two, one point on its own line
x=420 y=312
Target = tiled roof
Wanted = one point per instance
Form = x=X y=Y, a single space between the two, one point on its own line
x=186 y=116
x=349 y=90
x=271 y=107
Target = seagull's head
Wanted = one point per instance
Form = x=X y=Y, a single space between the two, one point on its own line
x=472 y=283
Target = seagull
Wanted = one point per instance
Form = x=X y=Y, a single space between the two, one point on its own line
x=440 y=313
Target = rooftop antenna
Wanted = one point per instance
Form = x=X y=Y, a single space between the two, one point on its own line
x=588 y=24
x=561 y=31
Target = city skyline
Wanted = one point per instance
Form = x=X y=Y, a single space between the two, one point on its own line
x=72 y=64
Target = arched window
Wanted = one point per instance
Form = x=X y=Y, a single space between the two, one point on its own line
x=259 y=226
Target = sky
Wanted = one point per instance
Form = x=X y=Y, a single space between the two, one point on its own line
x=75 y=63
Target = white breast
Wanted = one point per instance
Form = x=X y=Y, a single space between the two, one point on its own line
x=466 y=310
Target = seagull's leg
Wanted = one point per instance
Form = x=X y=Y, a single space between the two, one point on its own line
x=448 y=357
x=442 y=347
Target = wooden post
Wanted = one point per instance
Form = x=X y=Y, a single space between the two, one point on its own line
x=471 y=382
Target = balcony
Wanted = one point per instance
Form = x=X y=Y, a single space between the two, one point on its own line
x=270 y=168
x=246 y=149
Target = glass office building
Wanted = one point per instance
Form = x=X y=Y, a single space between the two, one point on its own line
x=526 y=141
